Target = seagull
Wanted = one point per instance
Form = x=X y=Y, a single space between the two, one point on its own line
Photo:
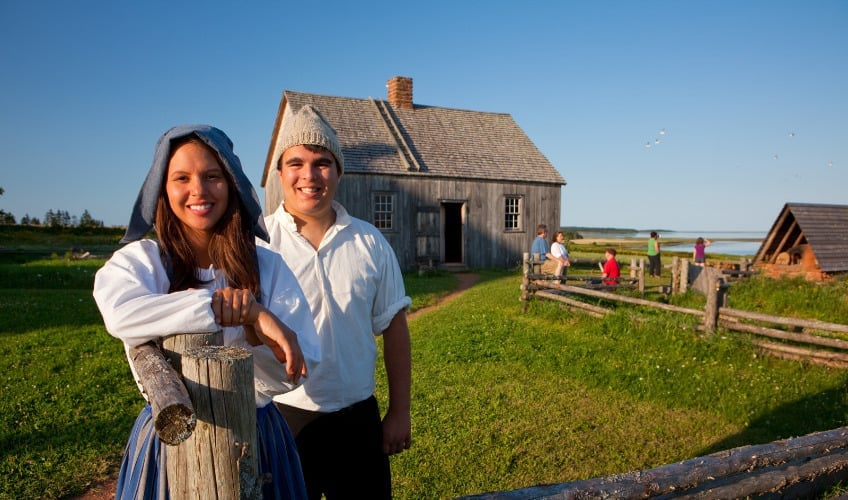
x=656 y=141
x=791 y=134
x=774 y=157
x=648 y=145
x=662 y=132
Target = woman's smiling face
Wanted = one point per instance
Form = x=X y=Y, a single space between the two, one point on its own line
x=197 y=188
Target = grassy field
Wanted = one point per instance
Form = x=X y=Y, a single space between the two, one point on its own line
x=501 y=399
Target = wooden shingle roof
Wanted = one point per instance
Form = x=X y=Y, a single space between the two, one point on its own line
x=823 y=227
x=377 y=138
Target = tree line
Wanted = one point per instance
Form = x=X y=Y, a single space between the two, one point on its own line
x=53 y=218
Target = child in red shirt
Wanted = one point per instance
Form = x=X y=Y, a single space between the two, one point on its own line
x=610 y=271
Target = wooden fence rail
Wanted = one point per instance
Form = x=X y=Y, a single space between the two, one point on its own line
x=791 y=468
x=819 y=349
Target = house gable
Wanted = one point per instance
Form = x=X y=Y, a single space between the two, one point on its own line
x=805 y=233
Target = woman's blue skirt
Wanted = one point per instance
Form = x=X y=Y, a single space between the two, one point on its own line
x=143 y=471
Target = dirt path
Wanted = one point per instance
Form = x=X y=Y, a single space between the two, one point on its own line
x=106 y=489
x=466 y=281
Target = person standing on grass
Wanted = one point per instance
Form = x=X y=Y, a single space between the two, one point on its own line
x=610 y=270
x=699 y=253
x=355 y=288
x=204 y=273
x=654 y=259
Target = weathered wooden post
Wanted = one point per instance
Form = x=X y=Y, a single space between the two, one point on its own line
x=175 y=345
x=525 y=281
x=172 y=411
x=711 y=308
x=219 y=460
x=684 y=275
x=641 y=271
x=675 y=275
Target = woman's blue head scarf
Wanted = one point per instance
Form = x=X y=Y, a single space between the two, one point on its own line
x=144 y=211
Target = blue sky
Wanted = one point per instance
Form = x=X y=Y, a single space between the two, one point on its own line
x=751 y=95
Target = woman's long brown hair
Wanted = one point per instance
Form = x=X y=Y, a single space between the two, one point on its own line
x=232 y=246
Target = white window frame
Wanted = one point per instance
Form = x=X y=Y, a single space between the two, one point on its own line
x=513 y=209
x=384 y=207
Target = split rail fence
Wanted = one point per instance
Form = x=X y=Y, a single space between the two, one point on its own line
x=801 y=467
x=797 y=342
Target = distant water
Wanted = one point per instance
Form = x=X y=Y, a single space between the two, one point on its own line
x=741 y=243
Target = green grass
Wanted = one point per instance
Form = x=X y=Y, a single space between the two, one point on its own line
x=67 y=399
x=501 y=399
x=505 y=399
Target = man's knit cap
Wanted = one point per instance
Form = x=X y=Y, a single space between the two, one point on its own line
x=308 y=127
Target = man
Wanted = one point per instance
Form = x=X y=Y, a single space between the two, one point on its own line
x=353 y=283
x=540 y=246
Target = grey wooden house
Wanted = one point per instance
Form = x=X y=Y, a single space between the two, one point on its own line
x=806 y=239
x=447 y=187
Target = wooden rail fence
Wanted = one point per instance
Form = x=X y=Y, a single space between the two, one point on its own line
x=802 y=467
x=823 y=349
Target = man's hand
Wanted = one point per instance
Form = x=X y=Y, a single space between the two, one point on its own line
x=397 y=432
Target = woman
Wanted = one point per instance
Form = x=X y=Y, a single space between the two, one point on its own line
x=203 y=274
x=699 y=253
x=560 y=254
x=654 y=260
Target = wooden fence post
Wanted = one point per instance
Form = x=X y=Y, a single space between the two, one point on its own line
x=175 y=345
x=684 y=275
x=525 y=281
x=157 y=367
x=219 y=460
x=711 y=308
x=641 y=276
x=675 y=275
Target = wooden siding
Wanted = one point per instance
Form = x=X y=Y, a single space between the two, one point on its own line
x=485 y=242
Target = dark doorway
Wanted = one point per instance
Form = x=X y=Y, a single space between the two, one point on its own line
x=452 y=228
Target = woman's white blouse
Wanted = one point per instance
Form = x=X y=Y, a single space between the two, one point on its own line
x=131 y=291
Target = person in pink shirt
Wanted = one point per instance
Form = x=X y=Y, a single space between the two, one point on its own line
x=699 y=254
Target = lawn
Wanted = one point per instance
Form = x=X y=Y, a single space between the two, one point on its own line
x=501 y=399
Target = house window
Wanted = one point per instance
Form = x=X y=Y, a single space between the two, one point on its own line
x=512 y=212
x=384 y=211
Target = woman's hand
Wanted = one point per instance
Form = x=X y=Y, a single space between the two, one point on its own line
x=238 y=307
x=234 y=306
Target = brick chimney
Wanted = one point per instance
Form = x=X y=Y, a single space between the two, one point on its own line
x=400 y=92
